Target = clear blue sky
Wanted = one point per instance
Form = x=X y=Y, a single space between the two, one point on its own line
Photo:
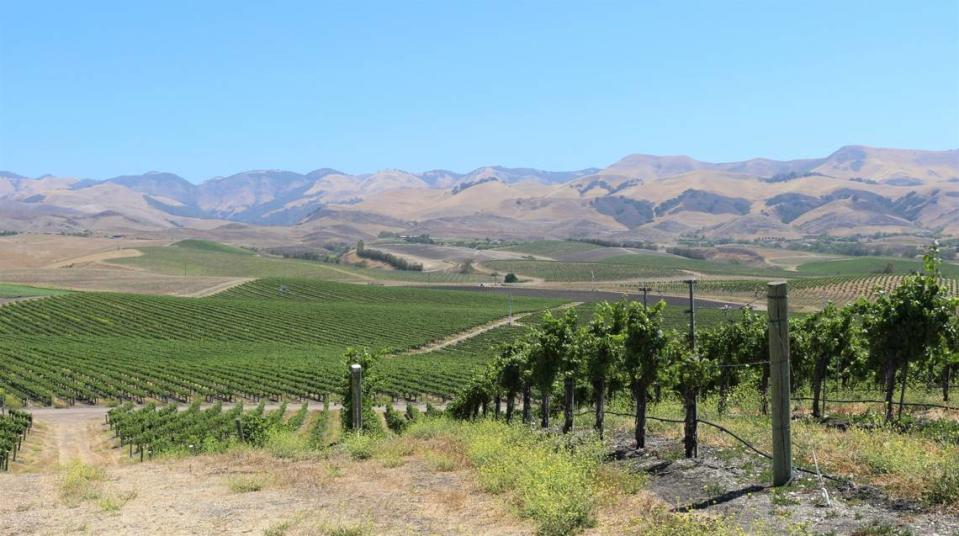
x=204 y=88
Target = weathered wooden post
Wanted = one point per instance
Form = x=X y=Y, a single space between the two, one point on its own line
x=779 y=374
x=356 y=386
x=239 y=430
x=527 y=403
x=569 y=388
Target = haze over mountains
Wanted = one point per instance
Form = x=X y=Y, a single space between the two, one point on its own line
x=854 y=191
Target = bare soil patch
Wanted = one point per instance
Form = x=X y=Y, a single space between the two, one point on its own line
x=112 y=278
x=30 y=251
x=200 y=496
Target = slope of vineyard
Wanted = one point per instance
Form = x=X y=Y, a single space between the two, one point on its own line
x=212 y=259
x=91 y=346
x=630 y=266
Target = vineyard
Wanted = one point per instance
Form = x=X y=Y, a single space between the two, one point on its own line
x=150 y=431
x=14 y=426
x=806 y=291
x=265 y=339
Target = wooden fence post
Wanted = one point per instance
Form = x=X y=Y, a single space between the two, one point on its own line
x=779 y=374
x=569 y=388
x=356 y=384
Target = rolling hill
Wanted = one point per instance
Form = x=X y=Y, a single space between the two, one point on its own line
x=856 y=190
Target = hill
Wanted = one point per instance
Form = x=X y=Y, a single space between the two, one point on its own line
x=855 y=191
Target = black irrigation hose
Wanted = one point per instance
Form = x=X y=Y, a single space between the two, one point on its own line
x=741 y=440
x=831 y=401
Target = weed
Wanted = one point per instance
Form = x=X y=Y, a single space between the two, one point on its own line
x=359 y=446
x=247 y=483
x=113 y=503
x=80 y=482
x=881 y=528
x=781 y=497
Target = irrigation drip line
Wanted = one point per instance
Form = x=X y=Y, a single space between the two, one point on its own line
x=921 y=404
x=748 y=445
x=746 y=364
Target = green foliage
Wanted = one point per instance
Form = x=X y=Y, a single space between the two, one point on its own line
x=270 y=338
x=644 y=344
x=552 y=352
x=395 y=420
x=689 y=371
x=511 y=278
x=321 y=428
x=412 y=413
x=945 y=486
x=905 y=325
x=209 y=245
x=296 y=421
x=553 y=483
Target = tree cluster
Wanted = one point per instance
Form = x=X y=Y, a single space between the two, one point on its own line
x=909 y=334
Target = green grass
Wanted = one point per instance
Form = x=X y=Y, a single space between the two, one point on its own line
x=551 y=248
x=870 y=265
x=209 y=245
x=212 y=260
x=205 y=262
x=554 y=485
x=12 y=290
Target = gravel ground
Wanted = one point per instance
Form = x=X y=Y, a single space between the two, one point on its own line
x=736 y=486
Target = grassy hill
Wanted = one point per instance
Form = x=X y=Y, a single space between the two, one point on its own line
x=201 y=258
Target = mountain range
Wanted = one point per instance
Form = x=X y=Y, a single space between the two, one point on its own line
x=856 y=190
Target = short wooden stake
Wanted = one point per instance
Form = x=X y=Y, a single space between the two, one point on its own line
x=356 y=383
x=779 y=376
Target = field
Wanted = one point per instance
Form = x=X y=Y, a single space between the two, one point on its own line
x=11 y=290
x=870 y=265
x=237 y=379
x=627 y=267
x=270 y=338
x=200 y=259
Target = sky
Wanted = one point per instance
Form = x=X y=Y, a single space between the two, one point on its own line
x=203 y=89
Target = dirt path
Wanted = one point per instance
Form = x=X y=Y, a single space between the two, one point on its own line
x=216 y=289
x=62 y=435
x=464 y=335
x=476 y=330
x=329 y=495
x=96 y=258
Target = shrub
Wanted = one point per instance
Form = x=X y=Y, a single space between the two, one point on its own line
x=246 y=483
x=80 y=482
x=553 y=484
x=286 y=444
x=945 y=488
x=412 y=413
x=359 y=446
x=394 y=420
x=511 y=278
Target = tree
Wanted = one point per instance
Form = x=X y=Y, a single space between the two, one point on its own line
x=691 y=375
x=643 y=357
x=830 y=342
x=371 y=385
x=948 y=356
x=511 y=367
x=753 y=347
x=549 y=355
x=903 y=326
x=602 y=345
x=511 y=278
